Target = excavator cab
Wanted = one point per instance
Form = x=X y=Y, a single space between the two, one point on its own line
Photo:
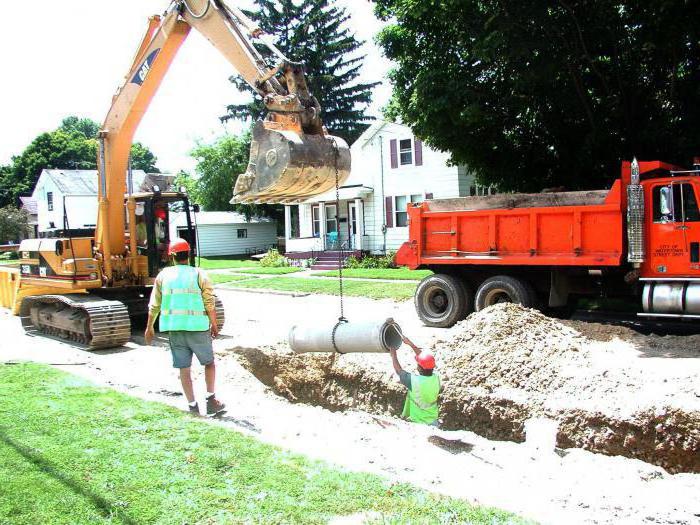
x=154 y=214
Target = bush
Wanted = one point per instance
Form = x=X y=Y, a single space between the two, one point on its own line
x=9 y=256
x=274 y=259
x=372 y=262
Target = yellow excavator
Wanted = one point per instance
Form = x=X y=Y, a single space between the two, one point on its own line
x=87 y=290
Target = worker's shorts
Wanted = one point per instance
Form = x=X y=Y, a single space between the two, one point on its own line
x=184 y=344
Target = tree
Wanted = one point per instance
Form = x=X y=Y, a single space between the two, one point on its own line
x=73 y=146
x=535 y=94
x=13 y=223
x=316 y=33
x=218 y=166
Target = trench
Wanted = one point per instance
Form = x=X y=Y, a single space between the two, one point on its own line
x=669 y=439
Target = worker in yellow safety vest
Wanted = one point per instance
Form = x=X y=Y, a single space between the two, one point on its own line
x=183 y=296
x=421 y=404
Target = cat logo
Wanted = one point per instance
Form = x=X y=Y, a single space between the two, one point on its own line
x=42 y=271
x=142 y=73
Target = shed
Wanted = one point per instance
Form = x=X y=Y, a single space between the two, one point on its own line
x=227 y=233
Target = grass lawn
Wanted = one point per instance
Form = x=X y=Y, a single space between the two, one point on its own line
x=220 y=263
x=271 y=271
x=220 y=278
x=398 y=274
x=377 y=290
x=72 y=453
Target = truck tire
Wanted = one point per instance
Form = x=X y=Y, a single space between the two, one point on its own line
x=442 y=300
x=504 y=289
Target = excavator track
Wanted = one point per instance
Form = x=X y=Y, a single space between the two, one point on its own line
x=82 y=320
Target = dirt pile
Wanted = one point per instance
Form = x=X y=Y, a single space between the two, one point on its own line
x=507 y=364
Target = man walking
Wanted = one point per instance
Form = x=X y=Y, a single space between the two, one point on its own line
x=184 y=298
x=421 y=404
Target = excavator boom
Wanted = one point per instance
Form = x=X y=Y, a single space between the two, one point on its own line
x=292 y=156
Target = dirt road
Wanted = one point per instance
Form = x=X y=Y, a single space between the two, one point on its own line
x=572 y=487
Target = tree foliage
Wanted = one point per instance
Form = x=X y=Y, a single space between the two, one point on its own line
x=73 y=146
x=13 y=223
x=316 y=33
x=218 y=166
x=536 y=94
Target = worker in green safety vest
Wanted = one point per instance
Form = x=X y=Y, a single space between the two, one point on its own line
x=421 y=404
x=183 y=296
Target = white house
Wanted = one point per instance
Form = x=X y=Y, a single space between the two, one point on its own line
x=226 y=233
x=390 y=168
x=75 y=193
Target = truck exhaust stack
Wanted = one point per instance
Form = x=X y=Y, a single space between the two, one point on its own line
x=635 y=218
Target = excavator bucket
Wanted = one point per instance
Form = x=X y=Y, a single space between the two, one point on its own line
x=286 y=166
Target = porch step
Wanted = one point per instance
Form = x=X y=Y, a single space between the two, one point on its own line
x=324 y=267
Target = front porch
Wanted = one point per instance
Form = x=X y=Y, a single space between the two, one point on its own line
x=324 y=224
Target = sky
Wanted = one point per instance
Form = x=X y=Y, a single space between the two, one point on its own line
x=68 y=57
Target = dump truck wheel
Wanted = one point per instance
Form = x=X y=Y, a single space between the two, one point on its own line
x=442 y=300
x=504 y=289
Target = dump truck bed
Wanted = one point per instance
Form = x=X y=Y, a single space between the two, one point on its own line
x=562 y=229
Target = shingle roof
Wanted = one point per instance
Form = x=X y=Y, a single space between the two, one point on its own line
x=29 y=204
x=84 y=182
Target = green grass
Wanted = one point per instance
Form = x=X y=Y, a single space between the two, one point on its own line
x=271 y=271
x=398 y=274
x=72 y=453
x=221 y=278
x=220 y=263
x=373 y=290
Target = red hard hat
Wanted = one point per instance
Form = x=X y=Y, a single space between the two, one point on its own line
x=178 y=245
x=425 y=360
x=160 y=214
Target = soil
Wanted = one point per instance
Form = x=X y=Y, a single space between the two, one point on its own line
x=342 y=409
x=507 y=364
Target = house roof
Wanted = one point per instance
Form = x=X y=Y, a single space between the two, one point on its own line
x=84 y=182
x=345 y=193
x=221 y=218
x=29 y=204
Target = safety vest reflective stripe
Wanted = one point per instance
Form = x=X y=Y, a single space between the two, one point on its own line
x=176 y=291
x=181 y=312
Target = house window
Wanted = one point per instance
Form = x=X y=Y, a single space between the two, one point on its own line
x=401 y=208
x=406 y=152
x=295 y=223
x=316 y=221
x=242 y=233
x=331 y=218
x=49 y=200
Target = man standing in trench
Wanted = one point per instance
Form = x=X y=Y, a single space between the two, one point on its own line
x=421 y=404
x=184 y=298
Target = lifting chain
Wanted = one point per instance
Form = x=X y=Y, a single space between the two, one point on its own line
x=342 y=318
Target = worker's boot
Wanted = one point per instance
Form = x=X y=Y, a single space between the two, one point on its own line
x=214 y=406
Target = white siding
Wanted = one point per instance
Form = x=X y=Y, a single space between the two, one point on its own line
x=81 y=210
x=222 y=239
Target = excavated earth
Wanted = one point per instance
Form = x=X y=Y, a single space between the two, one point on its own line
x=506 y=364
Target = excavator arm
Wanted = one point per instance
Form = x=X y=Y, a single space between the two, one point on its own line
x=292 y=157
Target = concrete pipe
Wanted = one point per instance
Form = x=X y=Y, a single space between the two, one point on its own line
x=349 y=338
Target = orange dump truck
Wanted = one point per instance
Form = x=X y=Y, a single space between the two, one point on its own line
x=638 y=240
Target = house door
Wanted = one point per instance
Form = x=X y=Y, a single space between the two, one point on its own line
x=332 y=241
x=675 y=230
x=352 y=224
